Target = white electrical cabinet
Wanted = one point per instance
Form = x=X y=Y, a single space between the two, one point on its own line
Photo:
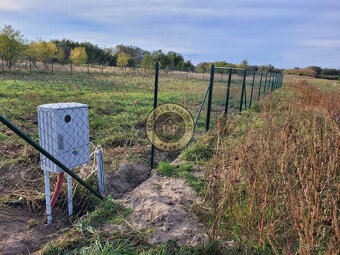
x=64 y=133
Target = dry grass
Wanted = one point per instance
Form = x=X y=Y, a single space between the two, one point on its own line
x=273 y=185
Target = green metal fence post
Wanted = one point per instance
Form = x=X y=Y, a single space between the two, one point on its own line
x=243 y=87
x=265 y=84
x=252 y=89
x=155 y=98
x=36 y=146
x=276 y=76
x=211 y=85
x=259 y=93
x=272 y=83
x=228 y=93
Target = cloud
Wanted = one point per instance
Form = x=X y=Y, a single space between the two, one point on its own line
x=282 y=33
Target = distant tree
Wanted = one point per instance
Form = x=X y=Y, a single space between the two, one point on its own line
x=45 y=52
x=147 y=61
x=317 y=69
x=188 y=66
x=95 y=55
x=267 y=69
x=131 y=62
x=163 y=59
x=202 y=67
x=78 y=55
x=244 y=64
x=175 y=60
x=122 y=59
x=11 y=45
x=329 y=71
x=133 y=51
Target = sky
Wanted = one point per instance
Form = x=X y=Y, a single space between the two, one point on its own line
x=285 y=33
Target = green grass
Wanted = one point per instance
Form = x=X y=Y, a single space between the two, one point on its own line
x=185 y=172
x=87 y=238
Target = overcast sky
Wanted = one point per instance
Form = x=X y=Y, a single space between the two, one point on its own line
x=285 y=33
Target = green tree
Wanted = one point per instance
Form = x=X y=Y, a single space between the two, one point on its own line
x=147 y=61
x=176 y=60
x=11 y=45
x=78 y=55
x=131 y=62
x=159 y=56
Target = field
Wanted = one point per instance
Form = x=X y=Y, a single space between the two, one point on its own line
x=119 y=103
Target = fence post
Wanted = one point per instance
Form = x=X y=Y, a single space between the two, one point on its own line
x=259 y=93
x=265 y=84
x=52 y=67
x=30 y=67
x=155 y=97
x=271 y=82
x=228 y=93
x=71 y=68
x=252 y=89
x=243 y=87
x=211 y=85
x=276 y=81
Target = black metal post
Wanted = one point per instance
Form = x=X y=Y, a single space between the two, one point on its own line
x=47 y=155
x=243 y=88
x=211 y=85
x=228 y=93
x=155 y=98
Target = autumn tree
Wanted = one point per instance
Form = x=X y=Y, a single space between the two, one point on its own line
x=11 y=45
x=45 y=52
x=244 y=64
x=122 y=59
x=78 y=55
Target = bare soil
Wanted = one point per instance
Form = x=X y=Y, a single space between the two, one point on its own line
x=161 y=207
x=23 y=232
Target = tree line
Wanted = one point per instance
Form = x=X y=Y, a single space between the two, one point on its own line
x=315 y=71
x=205 y=67
x=13 y=46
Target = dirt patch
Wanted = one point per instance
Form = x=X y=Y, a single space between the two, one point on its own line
x=161 y=207
x=126 y=178
x=24 y=233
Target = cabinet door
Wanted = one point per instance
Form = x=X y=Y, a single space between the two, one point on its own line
x=72 y=129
